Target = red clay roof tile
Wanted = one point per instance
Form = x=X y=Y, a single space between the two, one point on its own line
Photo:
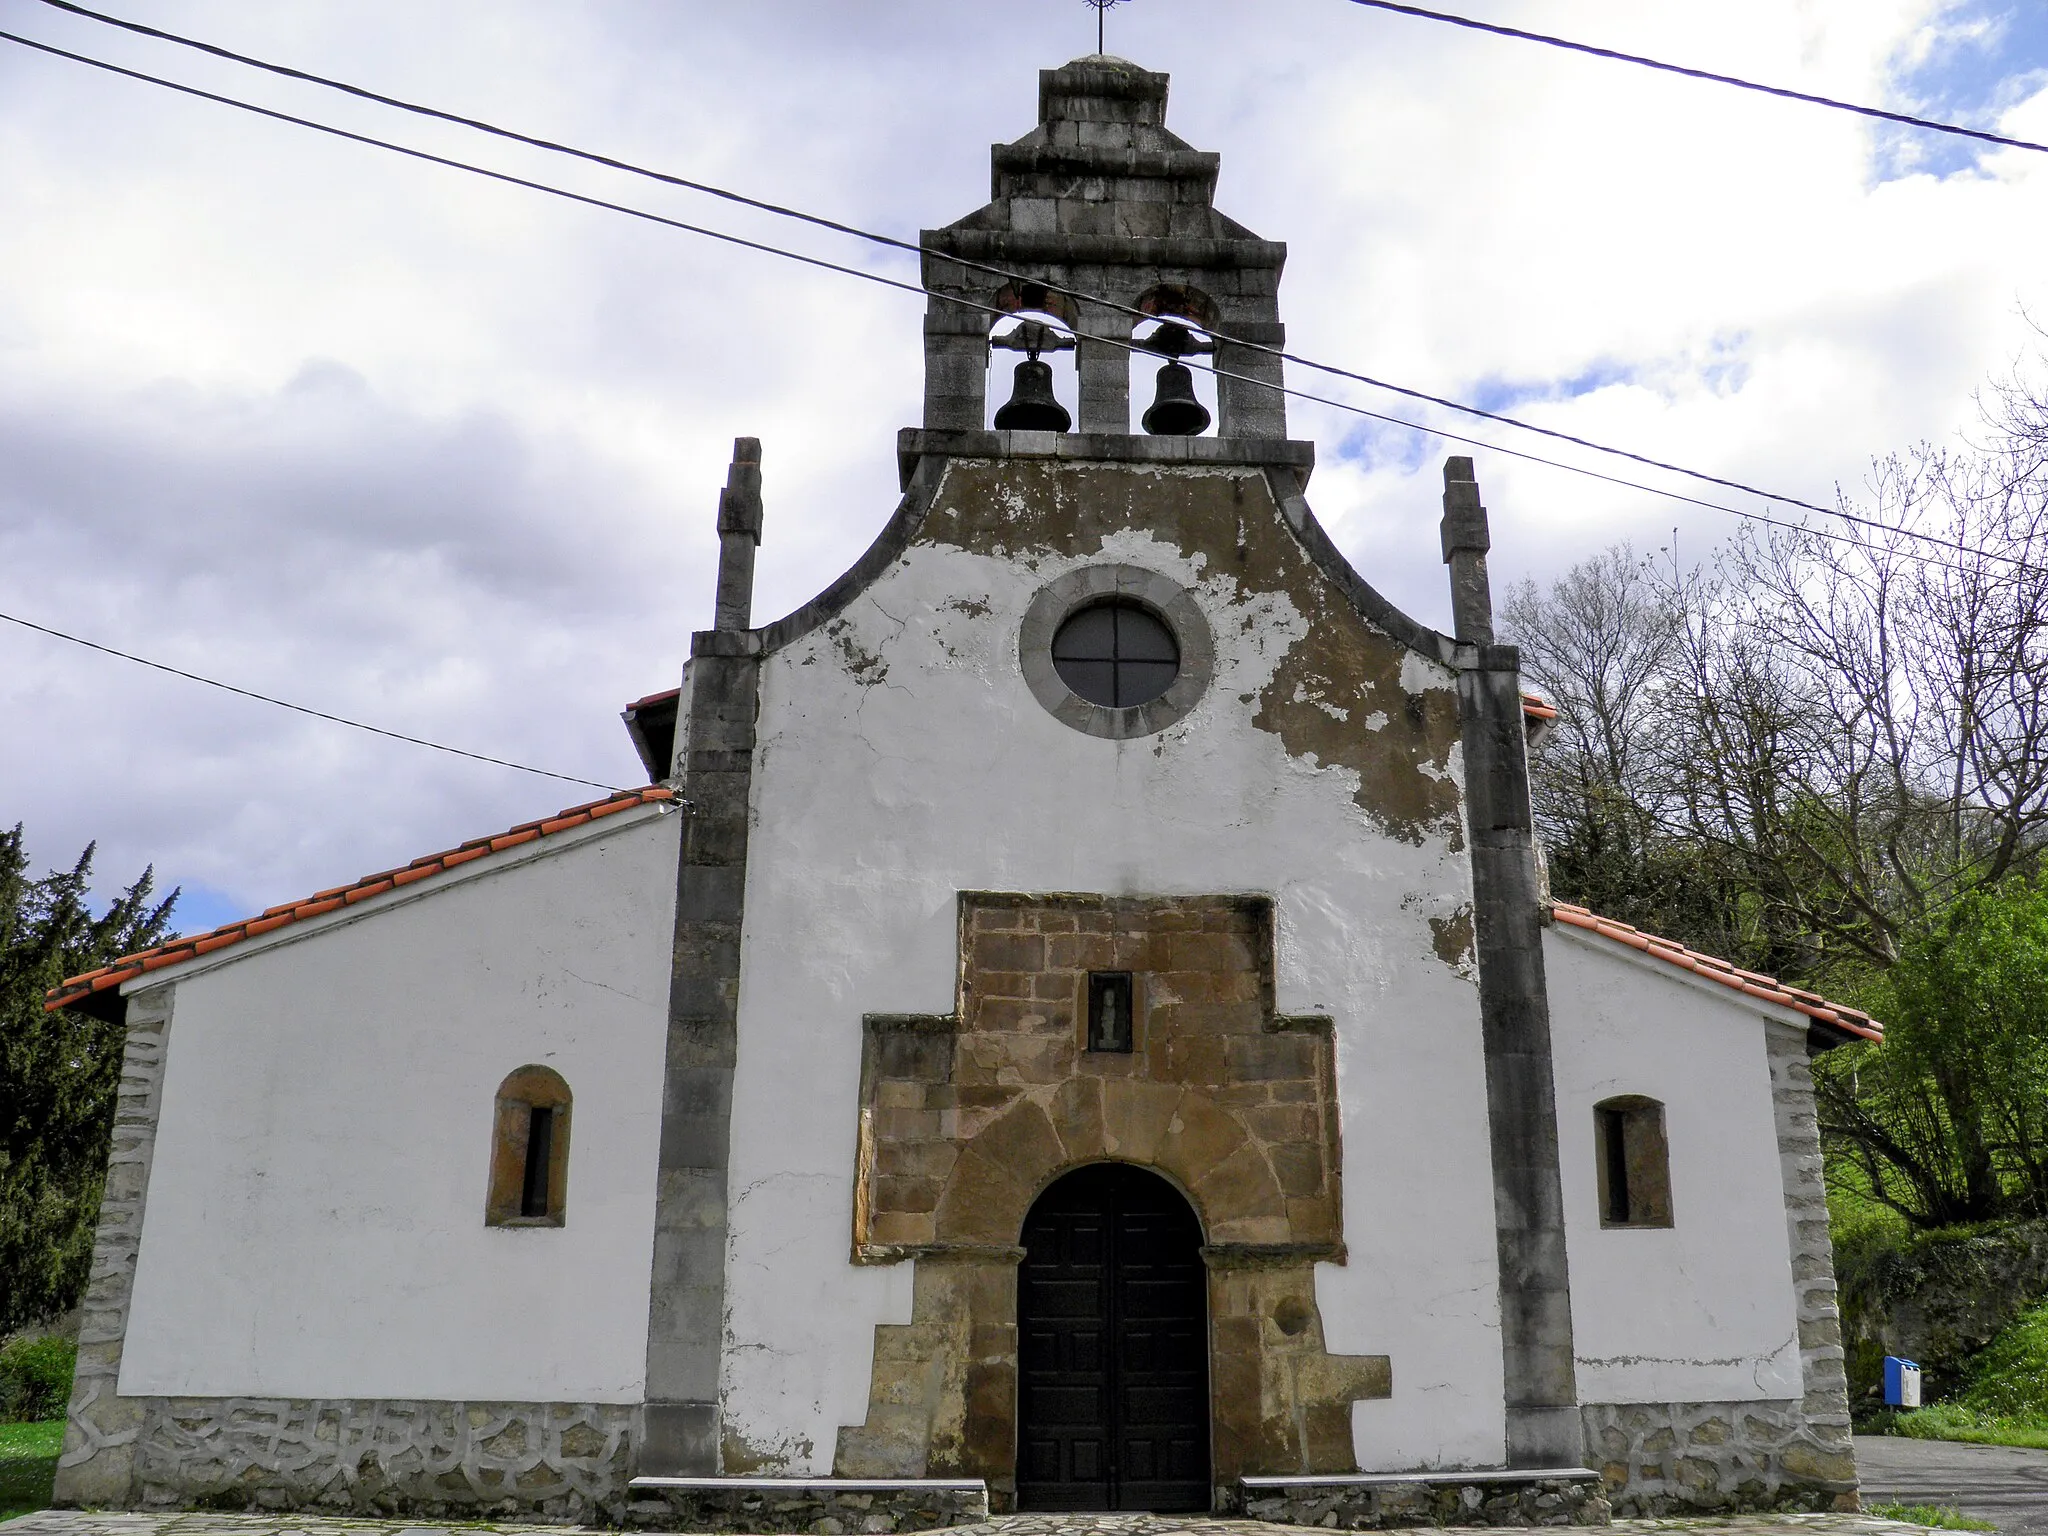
x=1853 y=1021
x=176 y=950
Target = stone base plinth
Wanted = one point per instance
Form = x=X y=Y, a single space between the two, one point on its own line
x=1379 y=1500
x=828 y=1506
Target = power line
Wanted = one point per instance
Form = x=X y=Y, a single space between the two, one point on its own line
x=1906 y=118
x=303 y=709
x=893 y=242
x=1126 y=346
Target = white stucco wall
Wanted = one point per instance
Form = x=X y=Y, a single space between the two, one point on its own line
x=1703 y=1310
x=315 y=1215
x=876 y=803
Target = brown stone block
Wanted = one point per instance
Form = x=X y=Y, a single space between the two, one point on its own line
x=1198 y=1138
x=911 y=1194
x=1050 y=1059
x=1147 y=952
x=985 y=1095
x=927 y=1159
x=1023 y=1142
x=1017 y=1016
x=1079 y=952
x=1235 y=1018
x=1268 y=1057
x=1204 y=952
x=983 y=1203
x=1136 y=1116
x=899 y=1095
x=1296 y=1091
x=982 y=985
x=906 y=1124
x=1281 y=1123
x=996 y=952
x=891 y=1228
x=1299 y=1170
x=1238 y=1097
x=1178 y=1057
x=1094 y=920
x=991 y=1429
x=993 y=1341
x=1326 y=1435
x=1077 y=1116
x=1059 y=988
x=1238 y=1335
x=1253 y=1229
x=993 y=917
x=1240 y=1188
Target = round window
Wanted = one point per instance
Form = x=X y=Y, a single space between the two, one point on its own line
x=1117 y=654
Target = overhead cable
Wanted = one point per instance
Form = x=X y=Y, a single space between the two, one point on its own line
x=894 y=242
x=1127 y=346
x=303 y=709
x=1932 y=125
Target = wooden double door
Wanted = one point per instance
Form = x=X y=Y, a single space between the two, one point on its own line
x=1113 y=1347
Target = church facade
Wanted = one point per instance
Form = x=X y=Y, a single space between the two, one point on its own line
x=1074 y=1022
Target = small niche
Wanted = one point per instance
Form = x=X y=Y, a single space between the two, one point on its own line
x=1634 y=1162
x=1110 y=1026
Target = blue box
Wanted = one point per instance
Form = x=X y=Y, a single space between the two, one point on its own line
x=1901 y=1382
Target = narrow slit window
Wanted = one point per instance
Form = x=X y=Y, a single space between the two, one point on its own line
x=1109 y=1011
x=540 y=1134
x=529 y=1181
x=1614 y=1165
x=1634 y=1162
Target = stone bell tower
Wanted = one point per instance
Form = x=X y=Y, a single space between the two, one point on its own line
x=1100 y=199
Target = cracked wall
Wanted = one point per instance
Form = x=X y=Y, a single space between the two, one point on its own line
x=874 y=806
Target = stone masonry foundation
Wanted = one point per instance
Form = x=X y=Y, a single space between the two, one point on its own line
x=1701 y=1458
x=1371 y=1503
x=822 y=1506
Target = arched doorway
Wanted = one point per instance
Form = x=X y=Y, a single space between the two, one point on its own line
x=1113 y=1347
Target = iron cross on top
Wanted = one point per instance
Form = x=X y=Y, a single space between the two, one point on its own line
x=1101 y=10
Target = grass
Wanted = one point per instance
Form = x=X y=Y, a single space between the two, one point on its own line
x=28 y=1461
x=1934 y=1516
x=1959 y=1421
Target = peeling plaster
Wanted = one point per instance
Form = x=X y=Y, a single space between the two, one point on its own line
x=875 y=806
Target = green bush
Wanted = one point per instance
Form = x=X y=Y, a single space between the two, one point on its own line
x=35 y=1378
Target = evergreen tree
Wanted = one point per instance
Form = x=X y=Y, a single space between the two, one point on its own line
x=59 y=1073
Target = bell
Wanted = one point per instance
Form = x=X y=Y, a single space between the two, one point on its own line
x=1175 y=411
x=1033 y=406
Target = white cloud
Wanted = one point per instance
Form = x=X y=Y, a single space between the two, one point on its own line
x=402 y=444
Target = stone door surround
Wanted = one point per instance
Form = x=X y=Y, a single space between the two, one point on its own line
x=965 y=1118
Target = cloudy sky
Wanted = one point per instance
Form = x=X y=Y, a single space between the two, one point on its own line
x=405 y=445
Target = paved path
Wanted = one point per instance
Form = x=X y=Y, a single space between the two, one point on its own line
x=67 y=1522
x=1992 y=1482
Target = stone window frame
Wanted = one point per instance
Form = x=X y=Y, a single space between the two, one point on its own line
x=1645 y=1154
x=524 y=1090
x=1166 y=599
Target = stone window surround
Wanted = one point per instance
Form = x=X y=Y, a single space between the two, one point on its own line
x=1646 y=1156
x=524 y=1090
x=1059 y=599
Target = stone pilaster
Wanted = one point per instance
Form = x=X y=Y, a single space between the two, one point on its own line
x=713 y=774
x=1830 y=1455
x=1541 y=1378
x=97 y=1466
